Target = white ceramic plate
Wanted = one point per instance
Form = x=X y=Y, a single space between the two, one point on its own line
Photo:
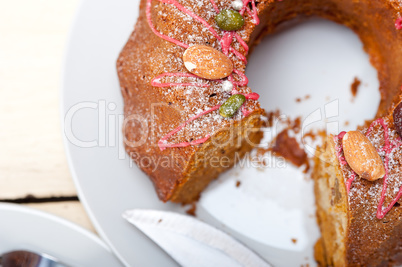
x=29 y=229
x=271 y=207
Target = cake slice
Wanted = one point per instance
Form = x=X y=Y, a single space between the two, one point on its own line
x=357 y=229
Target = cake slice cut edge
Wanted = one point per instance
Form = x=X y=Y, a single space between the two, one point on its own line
x=352 y=232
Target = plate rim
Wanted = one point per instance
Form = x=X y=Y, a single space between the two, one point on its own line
x=67 y=151
x=62 y=221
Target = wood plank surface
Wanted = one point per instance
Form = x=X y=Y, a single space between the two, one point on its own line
x=33 y=36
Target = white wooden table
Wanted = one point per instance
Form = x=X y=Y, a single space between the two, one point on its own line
x=33 y=36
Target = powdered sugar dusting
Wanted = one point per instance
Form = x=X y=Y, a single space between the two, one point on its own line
x=188 y=15
x=384 y=192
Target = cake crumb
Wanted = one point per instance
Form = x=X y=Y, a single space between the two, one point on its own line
x=160 y=220
x=354 y=88
x=192 y=210
x=284 y=144
x=238 y=183
x=299 y=99
x=289 y=148
x=271 y=116
x=346 y=123
x=294 y=240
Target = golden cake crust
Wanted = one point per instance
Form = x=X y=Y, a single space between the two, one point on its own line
x=352 y=233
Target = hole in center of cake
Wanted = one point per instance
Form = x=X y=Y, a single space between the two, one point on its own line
x=305 y=67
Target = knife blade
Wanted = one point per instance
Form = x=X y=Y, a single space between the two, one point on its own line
x=191 y=242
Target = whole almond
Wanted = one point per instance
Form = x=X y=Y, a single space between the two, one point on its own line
x=362 y=156
x=207 y=62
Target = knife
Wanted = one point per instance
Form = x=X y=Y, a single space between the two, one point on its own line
x=180 y=234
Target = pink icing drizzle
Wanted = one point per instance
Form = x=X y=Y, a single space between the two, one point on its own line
x=398 y=23
x=162 y=143
x=191 y=14
x=242 y=82
x=215 y=6
x=225 y=42
x=245 y=111
x=342 y=160
x=151 y=25
x=252 y=13
x=196 y=17
x=387 y=149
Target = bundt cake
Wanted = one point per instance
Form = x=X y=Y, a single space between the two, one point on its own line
x=189 y=114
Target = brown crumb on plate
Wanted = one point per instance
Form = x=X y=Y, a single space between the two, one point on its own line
x=354 y=88
x=289 y=148
x=299 y=99
x=238 y=183
x=192 y=210
x=284 y=144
